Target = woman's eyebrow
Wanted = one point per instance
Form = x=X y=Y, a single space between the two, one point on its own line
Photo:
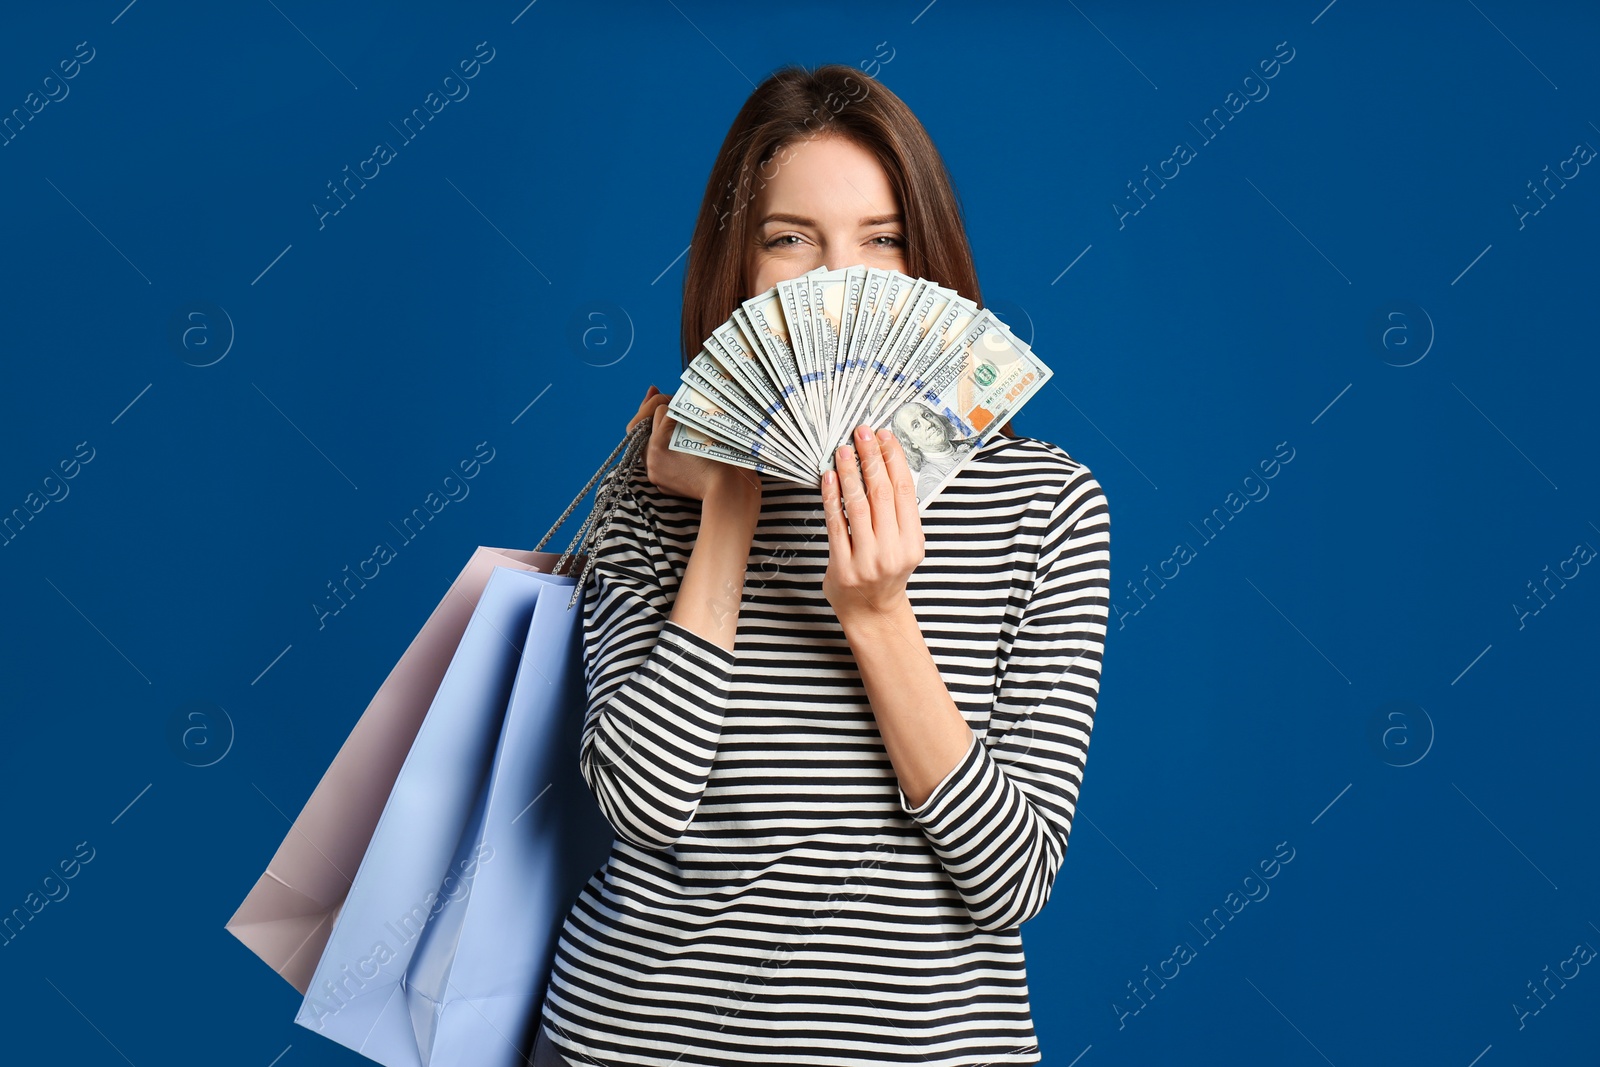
x=801 y=220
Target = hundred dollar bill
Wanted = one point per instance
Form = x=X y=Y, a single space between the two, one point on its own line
x=741 y=358
x=864 y=301
x=689 y=405
x=915 y=361
x=686 y=438
x=705 y=374
x=799 y=343
x=874 y=330
x=980 y=381
x=822 y=333
x=792 y=296
x=767 y=327
x=842 y=294
x=923 y=313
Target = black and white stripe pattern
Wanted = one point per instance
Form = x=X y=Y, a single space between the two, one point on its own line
x=771 y=897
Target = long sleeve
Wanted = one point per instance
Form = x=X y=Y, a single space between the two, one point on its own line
x=657 y=690
x=999 y=821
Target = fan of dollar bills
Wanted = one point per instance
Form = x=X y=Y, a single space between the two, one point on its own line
x=786 y=380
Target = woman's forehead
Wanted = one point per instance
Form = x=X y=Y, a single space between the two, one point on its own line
x=826 y=179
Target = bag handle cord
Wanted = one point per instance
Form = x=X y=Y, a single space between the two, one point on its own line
x=591 y=533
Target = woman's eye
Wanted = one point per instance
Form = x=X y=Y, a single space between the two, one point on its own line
x=894 y=242
x=775 y=242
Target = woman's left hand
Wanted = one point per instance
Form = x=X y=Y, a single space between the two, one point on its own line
x=869 y=562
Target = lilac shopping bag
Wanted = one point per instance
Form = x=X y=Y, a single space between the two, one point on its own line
x=289 y=913
x=443 y=948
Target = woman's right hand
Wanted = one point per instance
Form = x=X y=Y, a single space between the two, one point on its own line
x=679 y=473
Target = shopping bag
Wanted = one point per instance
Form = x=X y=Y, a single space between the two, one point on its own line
x=543 y=837
x=443 y=948
x=286 y=918
x=441 y=952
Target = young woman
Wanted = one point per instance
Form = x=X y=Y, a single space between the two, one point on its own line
x=840 y=742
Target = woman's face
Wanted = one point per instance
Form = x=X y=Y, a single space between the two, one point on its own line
x=827 y=202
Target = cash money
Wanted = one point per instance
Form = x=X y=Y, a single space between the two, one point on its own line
x=783 y=383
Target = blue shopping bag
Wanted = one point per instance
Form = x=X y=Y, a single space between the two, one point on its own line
x=442 y=950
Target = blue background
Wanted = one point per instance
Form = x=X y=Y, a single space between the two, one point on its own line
x=1343 y=667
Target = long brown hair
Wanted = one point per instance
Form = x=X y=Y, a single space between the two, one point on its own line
x=793 y=104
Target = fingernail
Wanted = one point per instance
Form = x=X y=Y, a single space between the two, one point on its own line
x=863 y=433
x=884 y=435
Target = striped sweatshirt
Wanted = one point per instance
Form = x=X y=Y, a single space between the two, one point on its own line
x=771 y=896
